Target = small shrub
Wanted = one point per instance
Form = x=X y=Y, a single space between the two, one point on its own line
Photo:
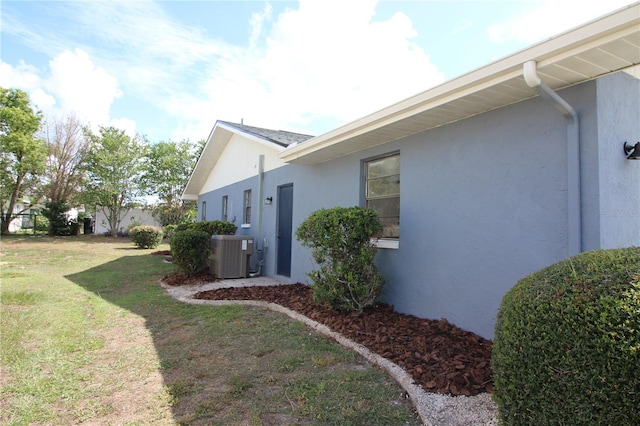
x=41 y=223
x=347 y=279
x=169 y=230
x=214 y=227
x=566 y=348
x=131 y=225
x=69 y=227
x=145 y=236
x=190 y=250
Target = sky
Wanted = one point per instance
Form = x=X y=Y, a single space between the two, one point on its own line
x=167 y=70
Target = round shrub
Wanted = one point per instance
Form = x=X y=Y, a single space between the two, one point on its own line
x=341 y=241
x=145 y=236
x=190 y=250
x=566 y=349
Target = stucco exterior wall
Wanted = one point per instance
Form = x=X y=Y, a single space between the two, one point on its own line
x=483 y=203
x=619 y=121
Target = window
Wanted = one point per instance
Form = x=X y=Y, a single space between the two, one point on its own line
x=247 y=206
x=204 y=210
x=382 y=192
x=225 y=204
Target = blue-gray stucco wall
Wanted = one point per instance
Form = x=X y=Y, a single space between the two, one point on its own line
x=483 y=204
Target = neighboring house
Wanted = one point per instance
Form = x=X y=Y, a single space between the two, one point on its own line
x=137 y=216
x=479 y=181
x=25 y=212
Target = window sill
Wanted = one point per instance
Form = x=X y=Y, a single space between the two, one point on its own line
x=387 y=244
x=245 y=226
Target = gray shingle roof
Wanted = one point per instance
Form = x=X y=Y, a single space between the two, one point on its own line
x=280 y=137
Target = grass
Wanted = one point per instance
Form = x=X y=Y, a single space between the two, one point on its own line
x=89 y=336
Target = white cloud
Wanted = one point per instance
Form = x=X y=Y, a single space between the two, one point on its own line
x=81 y=86
x=126 y=124
x=323 y=61
x=315 y=64
x=551 y=17
x=25 y=77
x=72 y=84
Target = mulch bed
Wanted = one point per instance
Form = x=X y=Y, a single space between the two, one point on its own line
x=440 y=357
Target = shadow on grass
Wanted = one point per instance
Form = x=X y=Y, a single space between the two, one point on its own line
x=240 y=365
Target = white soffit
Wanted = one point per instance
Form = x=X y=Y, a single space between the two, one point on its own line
x=602 y=46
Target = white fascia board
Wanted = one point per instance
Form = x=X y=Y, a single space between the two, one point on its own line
x=188 y=194
x=587 y=36
x=206 y=162
x=252 y=137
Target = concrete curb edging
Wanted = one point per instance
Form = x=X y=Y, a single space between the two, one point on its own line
x=433 y=409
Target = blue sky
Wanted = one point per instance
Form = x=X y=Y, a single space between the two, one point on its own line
x=170 y=69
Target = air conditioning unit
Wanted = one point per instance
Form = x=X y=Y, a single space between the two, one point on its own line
x=230 y=256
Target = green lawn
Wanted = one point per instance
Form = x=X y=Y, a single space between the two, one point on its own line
x=88 y=336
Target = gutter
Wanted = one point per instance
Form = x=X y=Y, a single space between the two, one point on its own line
x=574 y=211
x=260 y=243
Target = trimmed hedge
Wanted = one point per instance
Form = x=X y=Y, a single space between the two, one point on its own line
x=145 y=236
x=347 y=278
x=214 y=227
x=566 y=349
x=191 y=244
x=190 y=250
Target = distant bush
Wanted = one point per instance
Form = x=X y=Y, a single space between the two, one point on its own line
x=41 y=223
x=169 y=230
x=131 y=225
x=340 y=239
x=145 y=236
x=566 y=349
x=190 y=250
x=214 y=227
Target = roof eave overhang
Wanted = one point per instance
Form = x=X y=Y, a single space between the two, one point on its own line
x=216 y=142
x=432 y=105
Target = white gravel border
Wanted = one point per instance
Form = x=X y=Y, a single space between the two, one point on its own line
x=434 y=409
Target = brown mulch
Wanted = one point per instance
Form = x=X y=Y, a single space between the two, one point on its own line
x=439 y=356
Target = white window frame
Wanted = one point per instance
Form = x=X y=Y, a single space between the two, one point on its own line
x=246 y=210
x=225 y=208
x=383 y=242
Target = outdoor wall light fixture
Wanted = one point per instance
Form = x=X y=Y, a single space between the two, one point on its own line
x=632 y=151
x=268 y=200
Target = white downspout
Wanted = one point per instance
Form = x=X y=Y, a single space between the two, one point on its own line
x=260 y=214
x=530 y=74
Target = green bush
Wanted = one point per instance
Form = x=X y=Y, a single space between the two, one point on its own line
x=566 y=348
x=131 y=225
x=145 y=236
x=41 y=223
x=340 y=238
x=190 y=250
x=214 y=227
x=58 y=224
x=168 y=230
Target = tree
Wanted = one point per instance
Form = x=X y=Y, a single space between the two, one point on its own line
x=22 y=155
x=114 y=167
x=59 y=223
x=167 y=170
x=68 y=149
